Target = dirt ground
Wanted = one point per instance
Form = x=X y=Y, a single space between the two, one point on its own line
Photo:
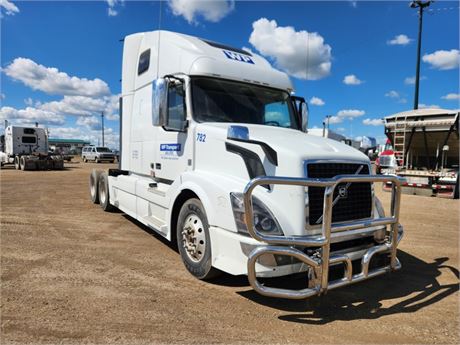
x=71 y=273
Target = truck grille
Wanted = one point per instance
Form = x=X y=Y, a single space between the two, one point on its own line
x=357 y=204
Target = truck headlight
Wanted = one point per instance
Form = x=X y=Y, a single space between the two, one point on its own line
x=264 y=221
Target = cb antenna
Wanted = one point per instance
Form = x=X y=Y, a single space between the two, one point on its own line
x=159 y=37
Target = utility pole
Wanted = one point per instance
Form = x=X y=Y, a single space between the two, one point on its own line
x=420 y=5
x=102 y=118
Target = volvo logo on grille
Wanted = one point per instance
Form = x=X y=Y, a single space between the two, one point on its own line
x=343 y=192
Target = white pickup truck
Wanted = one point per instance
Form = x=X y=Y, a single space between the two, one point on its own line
x=215 y=156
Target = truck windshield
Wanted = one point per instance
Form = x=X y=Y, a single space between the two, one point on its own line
x=103 y=149
x=217 y=100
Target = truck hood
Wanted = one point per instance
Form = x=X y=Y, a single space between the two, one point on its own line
x=290 y=142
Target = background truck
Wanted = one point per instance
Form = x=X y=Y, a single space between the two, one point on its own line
x=27 y=148
x=423 y=148
x=215 y=157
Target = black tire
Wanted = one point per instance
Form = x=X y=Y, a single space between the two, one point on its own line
x=94 y=186
x=456 y=191
x=17 y=164
x=96 y=160
x=104 y=196
x=84 y=159
x=112 y=161
x=200 y=268
x=23 y=163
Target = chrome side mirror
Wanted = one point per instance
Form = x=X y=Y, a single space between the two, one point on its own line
x=160 y=102
x=304 y=116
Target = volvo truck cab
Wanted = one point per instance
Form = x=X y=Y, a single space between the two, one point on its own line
x=216 y=157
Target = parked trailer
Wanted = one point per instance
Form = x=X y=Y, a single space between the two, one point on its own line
x=215 y=156
x=27 y=148
x=424 y=150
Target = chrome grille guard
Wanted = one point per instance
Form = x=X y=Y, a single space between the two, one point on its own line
x=319 y=266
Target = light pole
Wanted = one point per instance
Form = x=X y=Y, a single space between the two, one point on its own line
x=420 y=5
x=102 y=118
x=326 y=124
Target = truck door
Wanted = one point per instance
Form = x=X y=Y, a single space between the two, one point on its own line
x=174 y=143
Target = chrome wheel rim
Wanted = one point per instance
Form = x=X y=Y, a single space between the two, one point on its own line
x=194 y=238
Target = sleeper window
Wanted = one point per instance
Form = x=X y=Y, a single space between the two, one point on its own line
x=144 y=62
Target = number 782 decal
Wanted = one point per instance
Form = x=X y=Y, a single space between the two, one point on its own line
x=201 y=137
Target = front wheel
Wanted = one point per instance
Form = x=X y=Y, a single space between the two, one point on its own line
x=193 y=240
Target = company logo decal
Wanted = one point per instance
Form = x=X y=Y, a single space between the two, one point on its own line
x=170 y=147
x=238 y=57
x=343 y=192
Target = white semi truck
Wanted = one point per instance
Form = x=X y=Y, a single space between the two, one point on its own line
x=215 y=157
x=27 y=148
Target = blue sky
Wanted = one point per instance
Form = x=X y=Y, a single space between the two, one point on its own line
x=61 y=60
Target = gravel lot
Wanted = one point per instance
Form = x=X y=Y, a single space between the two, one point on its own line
x=71 y=273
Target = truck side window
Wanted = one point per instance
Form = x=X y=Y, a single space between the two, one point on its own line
x=276 y=114
x=144 y=62
x=176 y=107
x=29 y=140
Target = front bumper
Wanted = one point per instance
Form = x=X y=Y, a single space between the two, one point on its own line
x=319 y=264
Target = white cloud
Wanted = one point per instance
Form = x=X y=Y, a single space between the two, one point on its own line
x=301 y=54
x=341 y=129
x=91 y=122
x=10 y=8
x=353 y=4
x=428 y=106
x=335 y=119
x=212 y=11
x=350 y=113
x=65 y=132
x=396 y=96
x=84 y=106
x=392 y=94
x=443 y=59
x=2 y=96
x=111 y=137
x=111 y=11
x=29 y=101
x=52 y=81
x=372 y=122
x=31 y=115
x=351 y=79
x=451 y=96
x=411 y=80
x=346 y=114
x=400 y=40
x=316 y=101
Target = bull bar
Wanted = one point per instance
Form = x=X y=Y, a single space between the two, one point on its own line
x=319 y=266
